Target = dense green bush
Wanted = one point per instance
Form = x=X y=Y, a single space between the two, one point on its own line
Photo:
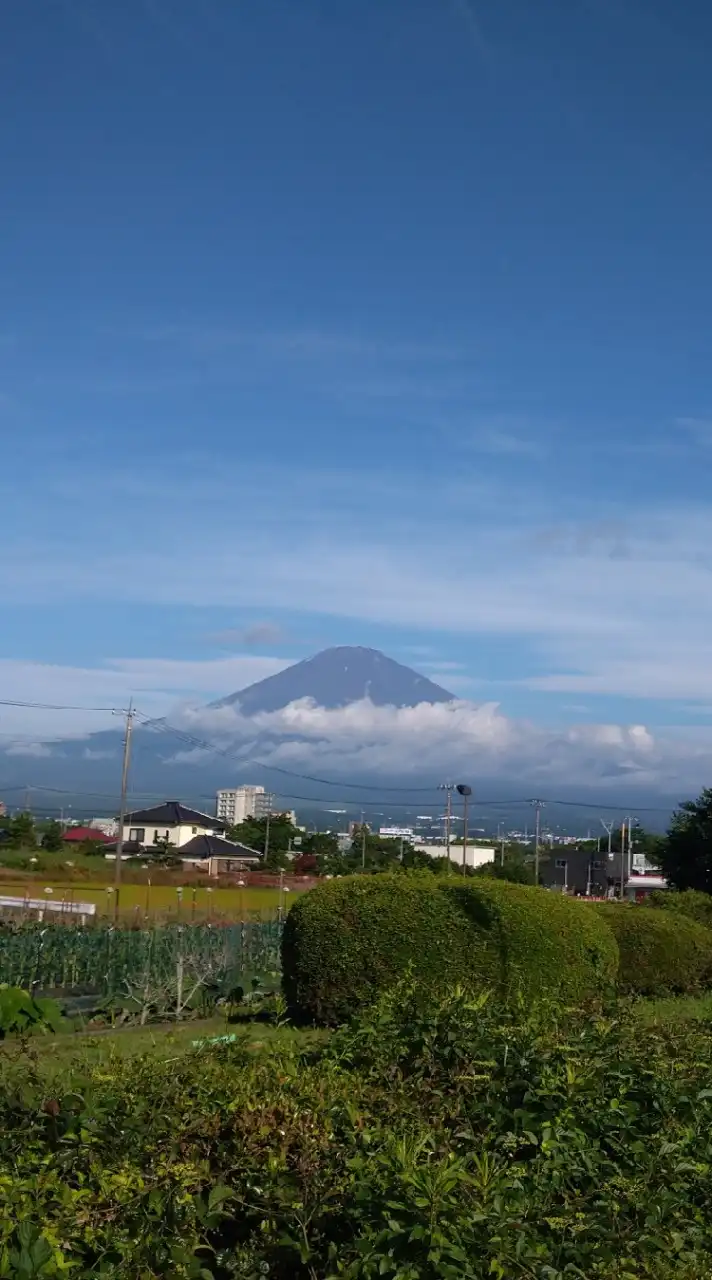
x=461 y=1141
x=691 y=902
x=660 y=951
x=346 y=941
x=535 y=942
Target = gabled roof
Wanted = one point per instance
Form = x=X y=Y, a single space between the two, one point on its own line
x=86 y=833
x=173 y=814
x=215 y=847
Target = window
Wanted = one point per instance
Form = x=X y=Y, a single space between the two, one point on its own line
x=561 y=864
x=193 y=829
x=137 y=835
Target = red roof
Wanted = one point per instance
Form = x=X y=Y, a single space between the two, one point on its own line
x=77 y=834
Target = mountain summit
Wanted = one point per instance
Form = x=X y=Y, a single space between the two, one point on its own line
x=336 y=677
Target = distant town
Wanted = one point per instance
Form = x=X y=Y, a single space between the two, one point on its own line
x=249 y=831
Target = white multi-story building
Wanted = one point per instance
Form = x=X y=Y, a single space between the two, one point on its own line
x=236 y=804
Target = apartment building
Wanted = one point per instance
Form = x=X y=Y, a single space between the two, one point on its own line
x=236 y=804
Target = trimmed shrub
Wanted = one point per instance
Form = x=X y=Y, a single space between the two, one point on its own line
x=660 y=951
x=689 y=902
x=347 y=941
x=535 y=942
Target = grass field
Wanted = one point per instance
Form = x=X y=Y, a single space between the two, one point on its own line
x=74 y=1050
x=675 y=1009
x=159 y=900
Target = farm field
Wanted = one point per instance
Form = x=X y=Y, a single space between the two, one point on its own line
x=159 y=901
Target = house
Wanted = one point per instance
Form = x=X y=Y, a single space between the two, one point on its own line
x=578 y=871
x=77 y=835
x=220 y=856
x=170 y=821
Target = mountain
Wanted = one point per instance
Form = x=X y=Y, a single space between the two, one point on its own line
x=163 y=762
x=336 y=677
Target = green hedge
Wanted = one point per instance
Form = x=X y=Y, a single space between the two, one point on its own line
x=660 y=951
x=535 y=941
x=348 y=940
x=688 y=902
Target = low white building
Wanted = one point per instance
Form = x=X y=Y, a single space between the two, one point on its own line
x=171 y=821
x=475 y=855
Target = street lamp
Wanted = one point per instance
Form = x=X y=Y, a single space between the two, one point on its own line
x=465 y=791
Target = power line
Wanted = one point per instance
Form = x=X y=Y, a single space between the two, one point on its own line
x=164 y=726
x=54 y=706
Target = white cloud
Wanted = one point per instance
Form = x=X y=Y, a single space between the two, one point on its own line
x=36 y=750
x=476 y=741
x=601 y=605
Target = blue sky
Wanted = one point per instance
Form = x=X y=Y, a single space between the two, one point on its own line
x=374 y=323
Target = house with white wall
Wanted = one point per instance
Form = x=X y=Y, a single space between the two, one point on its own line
x=171 y=821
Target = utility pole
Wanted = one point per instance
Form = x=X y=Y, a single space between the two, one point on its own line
x=500 y=837
x=465 y=792
x=589 y=872
x=608 y=828
x=363 y=841
x=269 y=815
x=627 y=859
x=122 y=807
x=623 y=876
x=538 y=806
x=447 y=787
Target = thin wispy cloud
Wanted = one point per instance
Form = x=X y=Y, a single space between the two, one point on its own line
x=603 y=606
x=255 y=636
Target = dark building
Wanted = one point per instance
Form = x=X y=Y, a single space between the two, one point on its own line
x=577 y=870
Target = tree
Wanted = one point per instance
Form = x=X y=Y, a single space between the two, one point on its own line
x=253 y=833
x=320 y=843
x=686 y=856
x=275 y=859
x=514 y=869
x=370 y=852
x=22 y=832
x=163 y=852
x=52 y=837
x=332 y=864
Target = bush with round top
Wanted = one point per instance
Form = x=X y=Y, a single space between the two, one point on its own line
x=536 y=942
x=347 y=941
x=660 y=951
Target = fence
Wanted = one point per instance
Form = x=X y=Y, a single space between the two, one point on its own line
x=108 y=961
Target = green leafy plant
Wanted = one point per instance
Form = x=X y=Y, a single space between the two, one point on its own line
x=457 y=1137
x=20 y=1013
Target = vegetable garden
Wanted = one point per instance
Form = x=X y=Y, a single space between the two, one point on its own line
x=490 y=1106
x=141 y=967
